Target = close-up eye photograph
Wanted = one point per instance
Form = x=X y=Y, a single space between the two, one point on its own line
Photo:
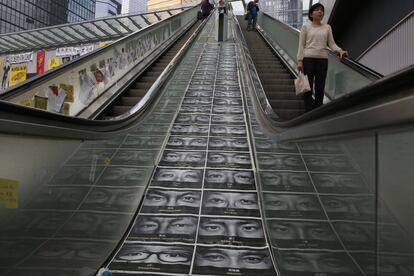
x=206 y=137
x=144 y=257
x=171 y=201
x=221 y=261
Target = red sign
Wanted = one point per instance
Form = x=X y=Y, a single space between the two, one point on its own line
x=40 y=63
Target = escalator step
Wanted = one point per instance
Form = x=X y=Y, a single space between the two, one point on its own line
x=150 y=73
x=129 y=101
x=287 y=104
x=136 y=92
x=148 y=78
x=276 y=81
x=158 y=68
x=287 y=114
x=117 y=110
x=280 y=95
x=143 y=85
x=270 y=75
x=279 y=87
x=270 y=69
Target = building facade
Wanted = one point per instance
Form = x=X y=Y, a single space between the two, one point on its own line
x=163 y=4
x=134 y=6
x=19 y=15
x=288 y=11
x=108 y=8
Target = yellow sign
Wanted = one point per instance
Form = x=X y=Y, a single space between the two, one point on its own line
x=69 y=92
x=40 y=102
x=104 y=43
x=1 y=68
x=17 y=74
x=66 y=108
x=26 y=102
x=9 y=193
x=53 y=62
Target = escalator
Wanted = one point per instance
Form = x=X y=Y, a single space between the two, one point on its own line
x=276 y=79
x=84 y=203
x=143 y=83
x=109 y=82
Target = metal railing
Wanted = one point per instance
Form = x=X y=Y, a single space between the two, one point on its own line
x=394 y=50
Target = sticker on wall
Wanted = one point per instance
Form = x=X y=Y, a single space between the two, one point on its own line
x=9 y=193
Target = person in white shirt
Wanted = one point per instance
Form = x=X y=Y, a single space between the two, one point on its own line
x=312 y=57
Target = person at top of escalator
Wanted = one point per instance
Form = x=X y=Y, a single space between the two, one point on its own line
x=206 y=8
x=312 y=57
x=252 y=11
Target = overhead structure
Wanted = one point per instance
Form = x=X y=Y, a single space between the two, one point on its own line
x=102 y=29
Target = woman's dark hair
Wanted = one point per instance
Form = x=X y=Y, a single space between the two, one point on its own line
x=314 y=7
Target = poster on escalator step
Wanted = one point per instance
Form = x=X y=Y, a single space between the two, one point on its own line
x=173 y=158
x=234 y=231
x=229 y=179
x=302 y=234
x=232 y=261
x=164 y=228
x=243 y=204
x=169 y=201
x=187 y=143
x=153 y=258
x=314 y=263
x=177 y=178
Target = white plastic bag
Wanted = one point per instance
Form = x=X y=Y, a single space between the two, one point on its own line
x=302 y=84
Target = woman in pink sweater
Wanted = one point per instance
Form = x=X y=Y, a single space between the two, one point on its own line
x=312 y=57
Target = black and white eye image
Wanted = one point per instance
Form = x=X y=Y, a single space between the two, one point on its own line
x=229 y=179
x=171 y=201
x=292 y=206
x=149 y=257
x=230 y=203
x=302 y=234
x=180 y=178
x=183 y=158
x=237 y=232
x=164 y=228
x=216 y=260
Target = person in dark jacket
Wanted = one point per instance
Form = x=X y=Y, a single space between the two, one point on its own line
x=252 y=10
x=206 y=8
x=6 y=69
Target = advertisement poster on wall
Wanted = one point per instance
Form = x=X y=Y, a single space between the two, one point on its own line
x=40 y=62
x=21 y=58
x=53 y=62
x=17 y=74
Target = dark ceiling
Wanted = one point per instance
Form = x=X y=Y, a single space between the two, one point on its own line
x=357 y=24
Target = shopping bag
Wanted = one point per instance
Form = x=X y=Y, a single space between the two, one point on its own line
x=247 y=16
x=302 y=84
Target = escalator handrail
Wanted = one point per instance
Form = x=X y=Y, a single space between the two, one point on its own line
x=22 y=87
